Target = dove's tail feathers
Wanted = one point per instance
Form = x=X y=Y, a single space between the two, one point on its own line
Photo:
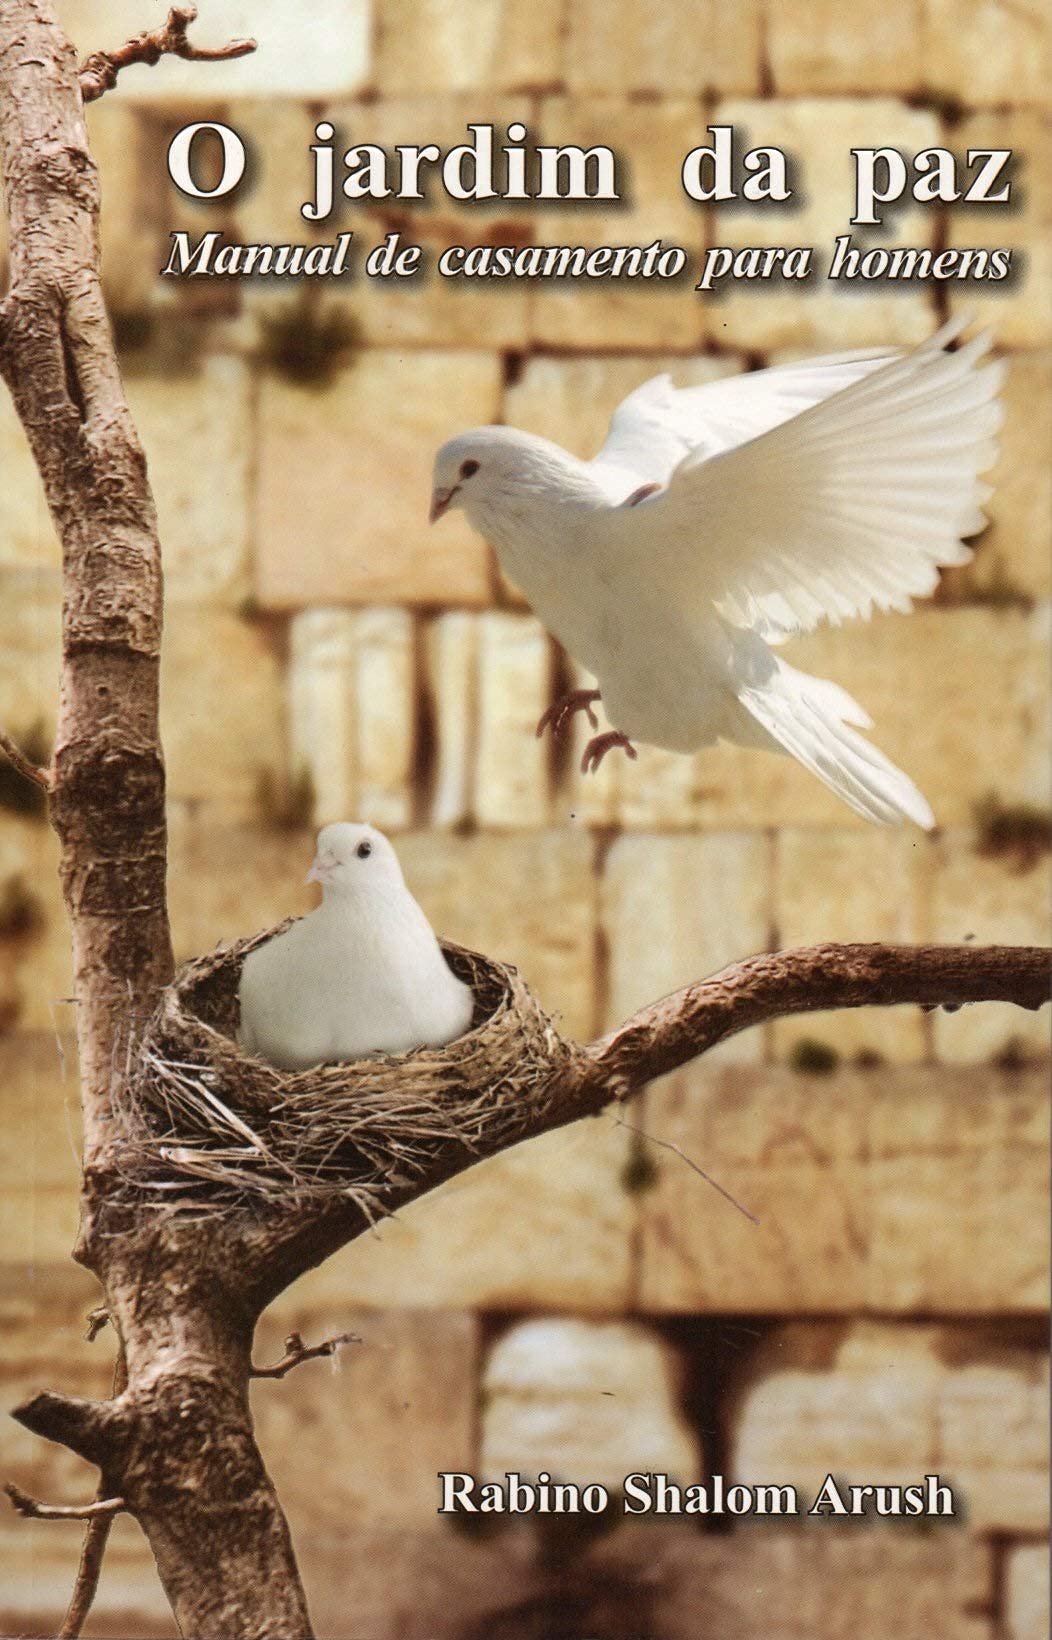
x=810 y=718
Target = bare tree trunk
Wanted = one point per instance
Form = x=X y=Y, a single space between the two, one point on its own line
x=176 y=1444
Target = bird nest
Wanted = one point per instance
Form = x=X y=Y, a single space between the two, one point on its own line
x=206 y=1125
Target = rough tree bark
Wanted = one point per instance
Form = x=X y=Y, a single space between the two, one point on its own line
x=176 y=1444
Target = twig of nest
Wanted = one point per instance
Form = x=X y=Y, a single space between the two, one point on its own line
x=207 y=1126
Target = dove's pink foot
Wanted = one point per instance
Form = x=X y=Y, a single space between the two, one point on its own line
x=562 y=710
x=597 y=749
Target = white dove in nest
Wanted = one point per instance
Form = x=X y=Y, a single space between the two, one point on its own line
x=363 y=974
x=719 y=520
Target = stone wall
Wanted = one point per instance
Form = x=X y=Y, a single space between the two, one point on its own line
x=586 y=1303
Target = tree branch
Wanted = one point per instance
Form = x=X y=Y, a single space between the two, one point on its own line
x=16 y=757
x=296 y=1352
x=100 y=1509
x=58 y=360
x=92 y=1429
x=98 y=73
x=666 y=1034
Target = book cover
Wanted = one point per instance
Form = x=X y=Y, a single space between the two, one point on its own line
x=461 y=1259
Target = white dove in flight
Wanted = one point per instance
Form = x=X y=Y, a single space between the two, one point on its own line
x=363 y=974
x=719 y=520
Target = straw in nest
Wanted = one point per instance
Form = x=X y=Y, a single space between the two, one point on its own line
x=207 y=1126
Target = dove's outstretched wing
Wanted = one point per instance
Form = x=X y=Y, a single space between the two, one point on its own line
x=850 y=506
x=655 y=427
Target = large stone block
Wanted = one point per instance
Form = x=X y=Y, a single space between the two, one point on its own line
x=329 y=58
x=39 y=1165
x=675 y=909
x=342 y=1457
x=222 y=710
x=684 y=49
x=30 y=649
x=1013 y=554
x=514 y=685
x=588 y=1401
x=451 y=689
x=848 y=885
x=27 y=536
x=547 y=1224
x=910 y=1191
x=986 y=54
x=890 y=1404
x=992 y=900
x=828 y=47
x=992 y=1432
x=197 y=434
x=820 y=133
x=228 y=881
x=36 y=959
x=1018 y=312
x=345 y=477
x=352 y=713
x=953 y=1159
x=546 y=924
x=508 y=44
x=384 y=690
x=1026 y=1592
x=651 y=139
x=322 y=709
x=789 y=1149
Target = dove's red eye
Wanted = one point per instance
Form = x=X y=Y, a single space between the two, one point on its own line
x=364 y=850
x=468 y=469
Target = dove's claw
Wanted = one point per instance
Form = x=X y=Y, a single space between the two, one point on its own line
x=562 y=710
x=597 y=749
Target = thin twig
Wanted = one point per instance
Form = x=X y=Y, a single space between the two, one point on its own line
x=98 y=73
x=16 y=757
x=296 y=1352
x=97 y=1536
x=667 y=1144
x=33 y=1510
x=97 y=1319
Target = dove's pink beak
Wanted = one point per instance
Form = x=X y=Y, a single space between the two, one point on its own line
x=440 y=500
x=321 y=870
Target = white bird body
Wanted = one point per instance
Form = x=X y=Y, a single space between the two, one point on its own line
x=719 y=520
x=361 y=975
